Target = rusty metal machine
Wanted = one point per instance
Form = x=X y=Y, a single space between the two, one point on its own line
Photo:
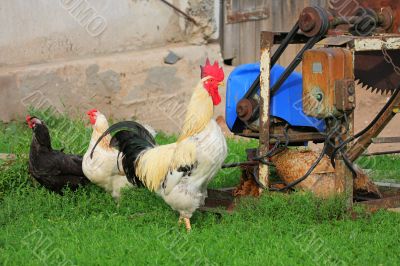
x=350 y=42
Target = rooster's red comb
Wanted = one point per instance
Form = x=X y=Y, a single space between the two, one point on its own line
x=90 y=112
x=214 y=71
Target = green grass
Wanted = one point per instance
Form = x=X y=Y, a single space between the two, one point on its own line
x=38 y=227
x=385 y=167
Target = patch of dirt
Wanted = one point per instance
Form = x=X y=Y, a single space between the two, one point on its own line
x=368 y=105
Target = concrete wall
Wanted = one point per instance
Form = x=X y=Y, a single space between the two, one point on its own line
x=241 y=41
x=131 y=85
x=35 y=31
x=73 y=55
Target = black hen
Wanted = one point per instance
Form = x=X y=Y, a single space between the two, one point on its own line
x=53 y=169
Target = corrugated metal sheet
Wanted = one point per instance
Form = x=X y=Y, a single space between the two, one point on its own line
x=241 y=41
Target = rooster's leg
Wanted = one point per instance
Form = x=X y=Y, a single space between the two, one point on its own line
x=180 y=220
x=187 y=224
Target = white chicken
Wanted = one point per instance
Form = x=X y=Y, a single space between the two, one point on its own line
x=102 y=168
x=178 y=172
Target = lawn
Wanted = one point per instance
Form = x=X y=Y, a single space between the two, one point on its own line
x=38 y=227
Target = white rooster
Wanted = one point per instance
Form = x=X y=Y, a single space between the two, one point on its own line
x=178 y=172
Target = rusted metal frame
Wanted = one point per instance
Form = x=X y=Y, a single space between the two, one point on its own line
x=365 y=140
x=347 y=131
x=247 y=163
x=385 y=203
x=359 y=44
x=297 y=137
x=348 y=9
x=267 y=40
x=381 y=153
x=386 y=140
x=237 y=16
x=251 y=13
x=340 y=20
x=219 y=198
x=375 y=43
x=386 y=14
x=294 y=136
x=341 y=169
x=339 y=40
x=382 y=20
x=388 y=185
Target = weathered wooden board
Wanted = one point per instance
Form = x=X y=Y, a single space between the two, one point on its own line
x=241 y=40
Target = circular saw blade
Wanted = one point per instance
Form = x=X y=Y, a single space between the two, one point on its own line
x=374 y=72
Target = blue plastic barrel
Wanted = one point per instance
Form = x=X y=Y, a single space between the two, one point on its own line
x=286 y=104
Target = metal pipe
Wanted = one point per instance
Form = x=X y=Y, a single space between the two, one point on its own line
x=232 y=165
x=386 y=140
x=380 y=153
x=343 y=20
x=181 y=12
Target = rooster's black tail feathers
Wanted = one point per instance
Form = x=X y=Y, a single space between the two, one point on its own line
x=130 y=138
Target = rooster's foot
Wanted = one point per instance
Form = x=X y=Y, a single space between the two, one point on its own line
x=187 y=224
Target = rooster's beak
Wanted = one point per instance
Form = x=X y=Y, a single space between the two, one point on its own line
x=221 y=84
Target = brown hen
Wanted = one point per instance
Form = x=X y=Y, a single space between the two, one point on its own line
x=293 y=164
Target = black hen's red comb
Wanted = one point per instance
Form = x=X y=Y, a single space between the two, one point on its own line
x=214 y=71
x=32 y=120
